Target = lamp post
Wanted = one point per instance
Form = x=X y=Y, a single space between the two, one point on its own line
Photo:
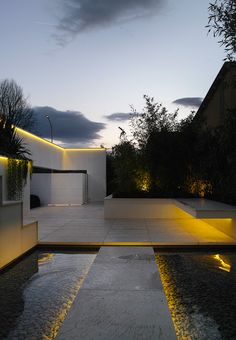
x=48 y=118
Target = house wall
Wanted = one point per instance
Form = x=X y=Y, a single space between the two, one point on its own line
x=224 y=98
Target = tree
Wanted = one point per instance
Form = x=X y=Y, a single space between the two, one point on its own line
x=124 y=164
x=14 y=112
x=11 y=145
x=222 y=22
x=155 y=132
x=14 y=107
x=154 y=118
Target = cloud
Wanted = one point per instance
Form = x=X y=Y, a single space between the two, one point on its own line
x=189 y=102
x=69 y=127
x=81 y=15
x=118 y=117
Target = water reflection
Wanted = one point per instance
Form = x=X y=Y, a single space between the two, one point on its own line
x=223 y=265
x=38 y=292
x=45 y=258
x=201 y=294
x=12 y=284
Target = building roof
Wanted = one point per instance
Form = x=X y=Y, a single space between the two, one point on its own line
x=228 y=65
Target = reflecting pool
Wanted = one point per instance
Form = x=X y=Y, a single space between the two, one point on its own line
x=201 y=293
x=37 y=292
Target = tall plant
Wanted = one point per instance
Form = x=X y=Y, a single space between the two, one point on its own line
x=17 y=172
x=222 y=22
x=13 y=147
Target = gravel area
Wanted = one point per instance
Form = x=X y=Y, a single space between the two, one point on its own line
x=201 y=294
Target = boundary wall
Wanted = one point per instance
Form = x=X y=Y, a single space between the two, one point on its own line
x=50 y=156
x=16 y=237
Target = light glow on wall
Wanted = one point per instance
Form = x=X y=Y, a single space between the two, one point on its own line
x=32 y=136
x=85 y=149
x=40 y=139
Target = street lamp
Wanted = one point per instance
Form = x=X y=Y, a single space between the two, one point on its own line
x=48 y=118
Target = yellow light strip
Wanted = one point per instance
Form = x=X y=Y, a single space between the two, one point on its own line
x=85 y=149
x=31 y=135
x=40 y=139
x=2 y=158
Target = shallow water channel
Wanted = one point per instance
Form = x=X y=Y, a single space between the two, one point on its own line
x=201 y=293
x=37 y=292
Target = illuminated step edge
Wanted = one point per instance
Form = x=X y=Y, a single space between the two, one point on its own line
x=203 y=208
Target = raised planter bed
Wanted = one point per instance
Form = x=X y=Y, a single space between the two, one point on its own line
x=167 y=208
x=142 y=208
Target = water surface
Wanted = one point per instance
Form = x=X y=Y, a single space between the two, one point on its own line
x=37 y=293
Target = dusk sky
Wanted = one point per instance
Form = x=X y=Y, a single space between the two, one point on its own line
x=84 y=62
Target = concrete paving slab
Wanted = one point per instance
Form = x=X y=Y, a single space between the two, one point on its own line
x=73 y=239
x=86 y=224
x=126 y=239
x=123 y=276
x=121 y=298
x=123 y=255
x=117 y=315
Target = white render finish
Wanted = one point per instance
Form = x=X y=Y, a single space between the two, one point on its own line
x=15 y=238
x=167 y=208
x=142 y=208
x=94 y=162
x=59 y=188
x=47 y=155
x=43 y=154
x=203 y=208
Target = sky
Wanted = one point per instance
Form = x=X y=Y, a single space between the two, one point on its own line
x=85 y=62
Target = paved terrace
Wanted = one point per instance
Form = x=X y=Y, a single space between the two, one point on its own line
x=122 y=296
x=85 y=225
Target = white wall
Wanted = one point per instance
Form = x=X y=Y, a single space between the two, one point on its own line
x=48 y=155
x=142 y=208
x=15 y=239
x=43 y=153
x=59 y=188
x=94 y=161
